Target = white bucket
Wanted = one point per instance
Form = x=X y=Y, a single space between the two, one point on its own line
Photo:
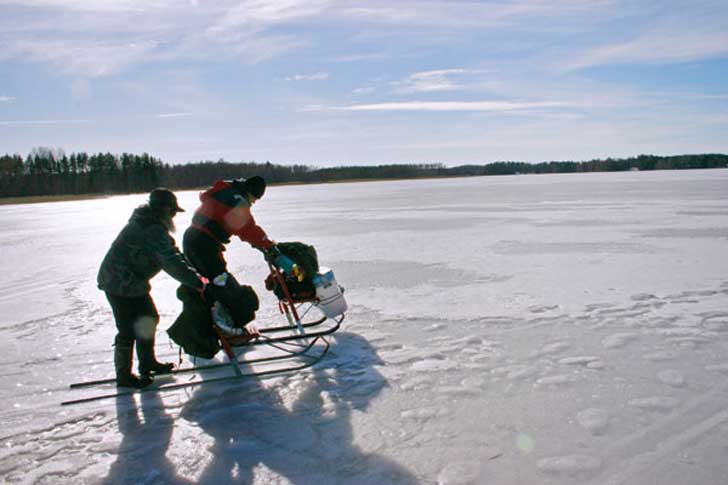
x=330 y=298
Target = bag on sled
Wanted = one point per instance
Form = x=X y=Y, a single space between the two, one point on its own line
x=305 y=257
x=193 y=329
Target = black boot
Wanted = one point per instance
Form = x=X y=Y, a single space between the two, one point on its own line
x=123 y=355
x=148 y=363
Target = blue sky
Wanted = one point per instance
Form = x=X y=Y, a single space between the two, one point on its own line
x=331 y=82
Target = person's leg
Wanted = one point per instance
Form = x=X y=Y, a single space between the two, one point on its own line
x=145 y=331
x=206 y=254
x=125 y=316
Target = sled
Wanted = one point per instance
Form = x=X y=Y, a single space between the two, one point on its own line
x=298 y=339
x=296 y=331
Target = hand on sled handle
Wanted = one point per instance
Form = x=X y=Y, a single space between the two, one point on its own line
x=252 y=330
x=274 y=256
x=271 y=254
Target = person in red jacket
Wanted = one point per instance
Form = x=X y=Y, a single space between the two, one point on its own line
x=225 y=211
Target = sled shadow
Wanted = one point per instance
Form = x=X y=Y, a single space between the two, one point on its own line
x=260 y=435
x=146 y=432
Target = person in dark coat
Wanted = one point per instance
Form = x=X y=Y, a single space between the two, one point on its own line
x=142 y=249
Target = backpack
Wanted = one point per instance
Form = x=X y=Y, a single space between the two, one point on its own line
x=193 y=328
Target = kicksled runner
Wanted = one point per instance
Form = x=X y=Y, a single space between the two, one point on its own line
x=299 y=344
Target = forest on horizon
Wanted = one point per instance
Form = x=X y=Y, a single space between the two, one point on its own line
x=47 y=171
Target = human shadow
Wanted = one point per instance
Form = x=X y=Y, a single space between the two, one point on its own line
x=146 y=431
x=302 y=432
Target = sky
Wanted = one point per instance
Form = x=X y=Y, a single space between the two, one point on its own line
x=344 y=82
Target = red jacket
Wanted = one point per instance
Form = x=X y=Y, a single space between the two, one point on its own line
x=224 y=213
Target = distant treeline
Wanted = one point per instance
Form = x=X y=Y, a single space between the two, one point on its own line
x=46 y=171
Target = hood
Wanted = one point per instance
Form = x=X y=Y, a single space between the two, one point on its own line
x=217 y=187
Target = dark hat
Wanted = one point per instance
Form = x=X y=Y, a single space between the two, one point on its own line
x=161 y=197
x=254 y=186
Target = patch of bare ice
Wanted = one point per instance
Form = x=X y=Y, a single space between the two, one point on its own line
x=682 y=332
x=579 y=360
x=575 y=464
x=542 y=308
x=671 y=377
x=593 y=419
x=515 y=371
x=715 y=321
x=427 y=365
x=459 y=390
x=717 y=368
x=460 y=473
x=551 y=348
x=556 y=380
x=423 y=414
x=474 y=382
x=416 y=382
x=618 y=340
x=655 y=403
x=660 y=355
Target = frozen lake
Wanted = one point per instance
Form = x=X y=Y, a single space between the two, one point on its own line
x=553 y=329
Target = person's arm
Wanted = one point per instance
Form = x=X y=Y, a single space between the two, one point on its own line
x=159 y=243
x=255 y=235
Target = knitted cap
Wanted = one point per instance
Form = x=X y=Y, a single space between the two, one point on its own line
x=255 y=186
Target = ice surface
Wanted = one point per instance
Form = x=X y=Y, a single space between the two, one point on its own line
x=555 y=329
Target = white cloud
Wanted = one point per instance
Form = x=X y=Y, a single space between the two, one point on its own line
x=97 y=36
x=41 y=122
x=6 y=99
x=656 y=47
x=360 y=57
x=319 y=76
x=95 y=5
x=362 y=91
x=430 y=81
x=493 y=106
x=102 y=38
x=461 y=14
x=77 y=56
x=255 y=15
x=313 y=107
x=659 y=33
x=173 y=115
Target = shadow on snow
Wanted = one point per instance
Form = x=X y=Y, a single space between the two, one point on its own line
x=308 y=441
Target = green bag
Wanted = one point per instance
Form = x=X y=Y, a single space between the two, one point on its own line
x=303 y=255
x=306 y=258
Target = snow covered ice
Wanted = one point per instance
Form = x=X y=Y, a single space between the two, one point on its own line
x=553 y=329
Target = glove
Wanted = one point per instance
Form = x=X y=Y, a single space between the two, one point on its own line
x=271 y=254
x=276 y=258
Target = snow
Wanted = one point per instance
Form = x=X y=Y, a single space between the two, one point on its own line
x=555 y=329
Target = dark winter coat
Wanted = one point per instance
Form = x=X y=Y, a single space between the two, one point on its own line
x=142 y=249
